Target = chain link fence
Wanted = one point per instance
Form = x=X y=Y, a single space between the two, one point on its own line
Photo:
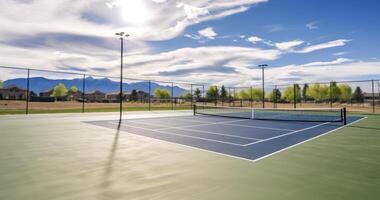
x=24 y=90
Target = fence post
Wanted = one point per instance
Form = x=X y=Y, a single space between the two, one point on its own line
x=149 y=95
x=203 y=94
x=251 y=97
x=331 y=96
x=191 y=94
x=83 y=91
x=275 y=97
x=27 y=93
x=294 y=96
x=373 y=96
x=172 y=96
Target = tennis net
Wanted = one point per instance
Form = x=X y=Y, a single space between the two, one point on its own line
x=308 y=115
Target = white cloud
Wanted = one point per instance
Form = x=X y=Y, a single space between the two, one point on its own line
x=142 y=19
x=254 y=39
x=312 y=25
x=335 y=43
x=336 y=70
x=208 y=33
x=289 y=44
x=342 y=53
x=329 y=63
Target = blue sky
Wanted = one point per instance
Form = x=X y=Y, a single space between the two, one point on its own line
x=203 y=41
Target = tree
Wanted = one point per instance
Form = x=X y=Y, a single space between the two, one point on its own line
x=345 y=92
x=288 y=93
x=59 y=90
x=358 y=95
x=245 y=94
x=304 y=91
x=223 y=93
x=74 y=88
x=134 y=95
x=198 y=93
x=274 y=95
x=257 y=93
x=1 y=84
x=335 y=91
x=186 y=95
x=318 y=92
x=161 y=93
x=212 y=92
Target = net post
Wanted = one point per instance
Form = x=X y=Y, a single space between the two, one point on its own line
x=344 y=116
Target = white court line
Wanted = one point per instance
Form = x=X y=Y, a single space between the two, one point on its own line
x=167 y=133
x=286 y=134
x=240 y=125
x=194 y=130
x=284 y=149
x=195 y=125
x=260 y=127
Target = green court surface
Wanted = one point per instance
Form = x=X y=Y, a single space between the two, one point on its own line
x=57 y=156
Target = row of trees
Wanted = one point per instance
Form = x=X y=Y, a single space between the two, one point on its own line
x=317 y=92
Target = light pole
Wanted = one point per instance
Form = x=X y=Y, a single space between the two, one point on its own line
x=262 y=78
x=121 y=36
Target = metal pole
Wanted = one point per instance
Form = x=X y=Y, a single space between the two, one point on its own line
x=203 y=94
x=331 y=96
x=263 y=95
x=83 y=91
x=191 y=94
x=121 y=77
x=373 y=96
x=27 y=93
x=149 y=94
x=251 y=97
x=275 y=97
x=294 y=96
x=172 y=96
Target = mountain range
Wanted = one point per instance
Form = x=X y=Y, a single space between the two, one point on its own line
x=41 y=84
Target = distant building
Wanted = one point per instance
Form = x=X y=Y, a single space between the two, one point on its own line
x=115 y=96
x=368 y=97
x=95 y=96
x=12 y=92
x=74 y=96
x=47 y=93
x=141 y=95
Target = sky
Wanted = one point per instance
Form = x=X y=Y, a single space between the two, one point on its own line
x=199 y=41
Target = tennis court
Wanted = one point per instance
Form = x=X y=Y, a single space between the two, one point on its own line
x=237 y=132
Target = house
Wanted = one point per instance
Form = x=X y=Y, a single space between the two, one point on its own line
x=115 y=96
x=47 y=93
x=95 y=96
x=74 y=96
x=141 y=96
x=368 y=97
x=12 y=92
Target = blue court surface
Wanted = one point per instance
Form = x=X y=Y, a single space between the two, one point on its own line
x=241 y=138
